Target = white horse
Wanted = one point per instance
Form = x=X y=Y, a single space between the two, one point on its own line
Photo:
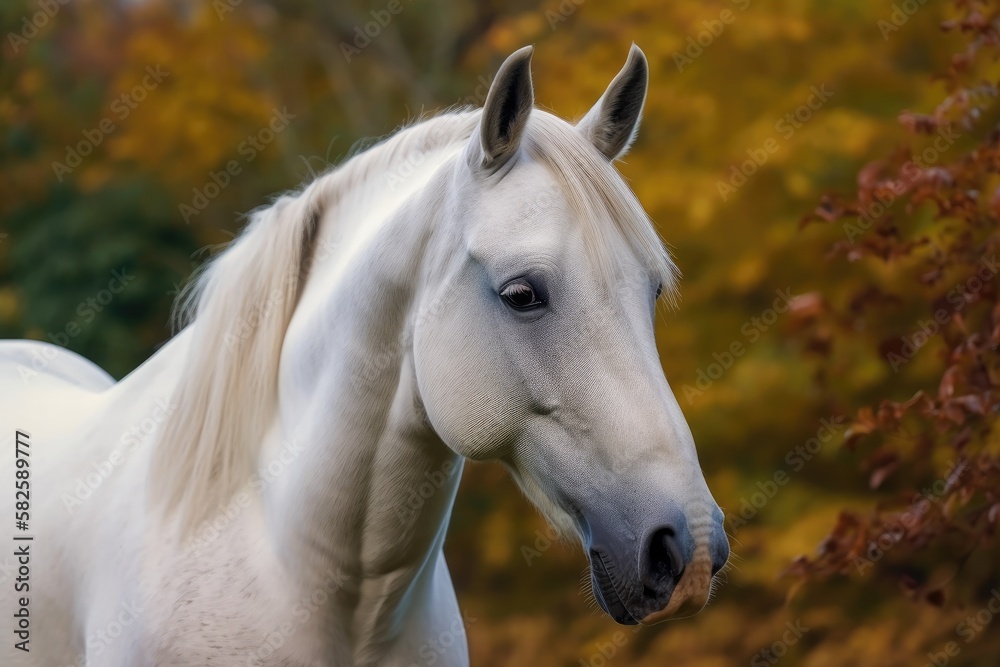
x=273 y=487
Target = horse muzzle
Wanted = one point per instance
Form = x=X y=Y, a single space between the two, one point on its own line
x=667 y=572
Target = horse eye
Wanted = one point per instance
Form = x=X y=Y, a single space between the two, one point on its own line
x=520 y=295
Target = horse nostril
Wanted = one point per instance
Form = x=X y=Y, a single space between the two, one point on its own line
x=666 y=556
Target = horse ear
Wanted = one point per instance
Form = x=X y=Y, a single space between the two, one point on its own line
x=506 y=111
x=611 y=125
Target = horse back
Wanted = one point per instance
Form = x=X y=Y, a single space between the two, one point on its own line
x=28 y=363
x=46 y=389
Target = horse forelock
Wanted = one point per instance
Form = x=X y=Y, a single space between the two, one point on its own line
x=601 y=199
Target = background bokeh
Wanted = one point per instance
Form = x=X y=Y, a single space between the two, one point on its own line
x=119 y=120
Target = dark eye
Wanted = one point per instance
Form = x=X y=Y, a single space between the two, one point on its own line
x=520 y=295
x=659 y=290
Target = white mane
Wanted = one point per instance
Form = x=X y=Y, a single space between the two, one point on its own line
x=240 y=307
x=238 y=310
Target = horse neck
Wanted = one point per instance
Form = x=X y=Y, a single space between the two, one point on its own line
x=370 y=490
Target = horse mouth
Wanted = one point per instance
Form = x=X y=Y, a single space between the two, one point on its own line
x=604 y=591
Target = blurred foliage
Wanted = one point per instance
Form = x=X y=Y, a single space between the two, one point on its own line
x=730 y=157
x=924 y=219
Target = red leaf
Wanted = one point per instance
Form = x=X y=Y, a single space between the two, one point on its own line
x=915 y=122
x=882 y=472
x=807 y=305
x=946 y=388
x=994 y=514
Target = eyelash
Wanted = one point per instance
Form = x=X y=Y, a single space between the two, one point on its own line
x=517 y=288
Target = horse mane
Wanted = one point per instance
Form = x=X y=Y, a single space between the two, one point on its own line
x=238 y=309
x=598 y=195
